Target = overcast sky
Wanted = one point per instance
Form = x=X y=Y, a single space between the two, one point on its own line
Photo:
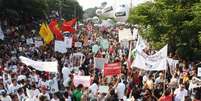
x=93 y=3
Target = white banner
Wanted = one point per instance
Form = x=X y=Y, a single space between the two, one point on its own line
x=1 y=34
x=59 y=46
x=68 y=41
x=195 y=83
x=41 y=66
x=84 y=80
x=155 y=62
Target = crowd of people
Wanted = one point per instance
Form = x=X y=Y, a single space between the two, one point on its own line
x=19 y=82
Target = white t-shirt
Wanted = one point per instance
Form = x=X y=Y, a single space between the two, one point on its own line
x=13 y=89
x=180 y=95
x=66 y=72
x=94 y=88
x=120 y=90
x=7 y=98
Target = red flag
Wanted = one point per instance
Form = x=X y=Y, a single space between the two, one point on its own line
x=56 y=30
x=72 y=22
x=66 y=27
x=112 y=69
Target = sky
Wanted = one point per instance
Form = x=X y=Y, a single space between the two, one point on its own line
x=93 y=3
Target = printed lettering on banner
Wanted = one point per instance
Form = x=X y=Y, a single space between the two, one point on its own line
x=39 y=65
x=59 y=46
x=112 y=69
x=155 y=62
x=84 y=80
x=99 y=62
x=199 y=71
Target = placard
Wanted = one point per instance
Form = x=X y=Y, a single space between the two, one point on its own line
x=29 y=41
x=59 y=46
x=99 y=62
x=199 y=71
x=112 y=69
x=38 y=43
x=103 y=89
x=78 y=44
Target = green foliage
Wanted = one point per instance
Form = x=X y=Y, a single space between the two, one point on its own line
x=173 y=22
x=39 y=9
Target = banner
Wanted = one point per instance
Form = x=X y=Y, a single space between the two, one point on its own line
x=99 y=62
x=84 y=80
x=68 y=41
x=41 y=66
x=155 y=62
x=1 y=34
x=112 y=69
x=195 y=83
x=59 y=46
x=29 y=41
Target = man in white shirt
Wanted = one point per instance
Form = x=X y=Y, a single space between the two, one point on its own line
x=180 y=93
x=66 y=71
x=13 y=87
x=94 y=87
x=120 y=89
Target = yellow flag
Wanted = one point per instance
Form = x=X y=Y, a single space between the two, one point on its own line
x=46 y=34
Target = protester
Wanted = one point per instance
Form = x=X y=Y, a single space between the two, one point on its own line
x=22 y=82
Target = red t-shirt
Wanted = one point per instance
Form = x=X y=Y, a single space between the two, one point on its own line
x=166 y=98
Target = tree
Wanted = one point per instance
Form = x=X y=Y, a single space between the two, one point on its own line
x=20 y=10
x=173 y=22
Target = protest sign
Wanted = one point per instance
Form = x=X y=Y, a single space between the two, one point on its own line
x=84 y=80
x=29 y=41
x=1 y=34
x=68 y=42
x=59 y=46
x=104 y=44
x=195 y=82
x=95 y=48
x=103 y=89
x=99 y=62
x=112 y=69
x=199 y=71
x=77 y=59
x=38 y=43
x=172 y=64
x=41 y=66
x=155 y=62
x=78 y=44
